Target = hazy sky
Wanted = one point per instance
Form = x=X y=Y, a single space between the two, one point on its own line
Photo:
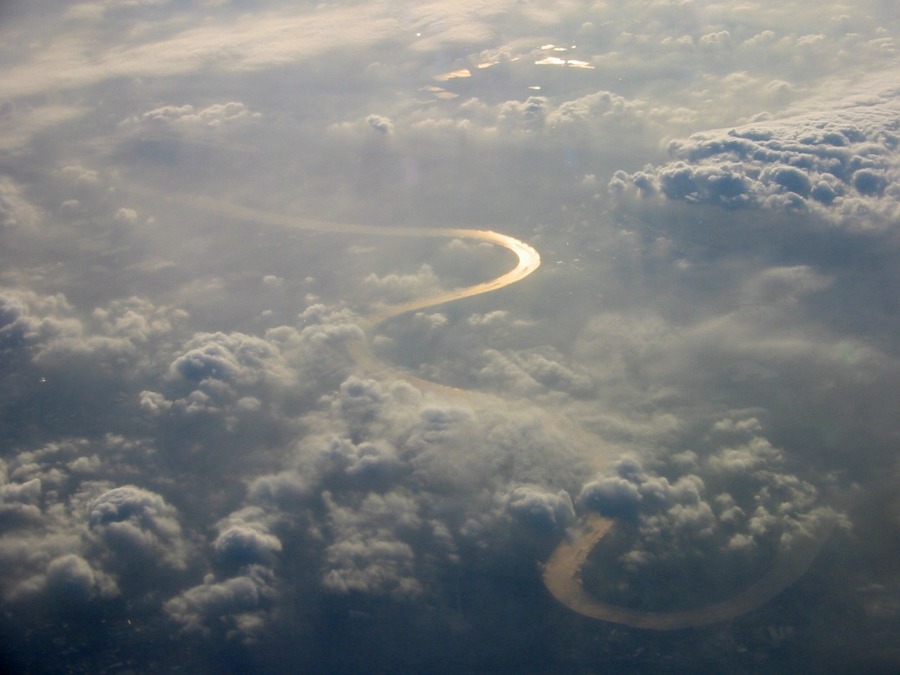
x=195 y=471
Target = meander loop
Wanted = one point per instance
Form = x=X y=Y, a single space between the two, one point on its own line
x=563 y=578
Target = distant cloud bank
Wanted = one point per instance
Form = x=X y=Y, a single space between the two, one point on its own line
x=843 y=164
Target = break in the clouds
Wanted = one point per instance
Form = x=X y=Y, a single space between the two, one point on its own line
x=214 y=456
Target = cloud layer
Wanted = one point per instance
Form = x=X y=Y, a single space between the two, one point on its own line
x=841 y=165
x=195 y=472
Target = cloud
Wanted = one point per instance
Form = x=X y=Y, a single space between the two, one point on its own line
x=738 y=505
x=49 y=337
x=71 y=577
x=238 y=604
x=187 y=117
x=156 y=133
x=399 y=287
x=242 y=379
x=235 y=359
x=614 y=496
x=380 y=124
x=541 y=510
x=70 y=535
x=250 y=43
x=27 y=319
x=137 y=527
x=532 y=373
x=367 y=553
x=840 y=164
x=389 y=485
x=242 y=543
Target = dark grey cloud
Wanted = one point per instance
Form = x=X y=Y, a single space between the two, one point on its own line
x=245 y=541
x=136 y=526
x=70 y=534
x=239 y=605
x=540 y=509
x=71 y=577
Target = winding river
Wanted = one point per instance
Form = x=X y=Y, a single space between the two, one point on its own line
x=562 y=573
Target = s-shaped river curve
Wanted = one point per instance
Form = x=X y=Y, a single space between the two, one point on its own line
x=563 y=571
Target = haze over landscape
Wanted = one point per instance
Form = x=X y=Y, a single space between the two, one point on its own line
x=470 y=337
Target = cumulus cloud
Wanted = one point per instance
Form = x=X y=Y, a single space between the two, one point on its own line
x=738 y=505
x=243 y=379
x=28 y=319
x=246 y=543
x=541 y=509
x=391 y=485
x=368 y=553
x=841 y=165
x=236 y=359
x=186 y=116
x=49 y=332
x=381 y=124
x=137 y=527
x=155 y=132
x=70 y=535
x=239 y=604
x=71 y=577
